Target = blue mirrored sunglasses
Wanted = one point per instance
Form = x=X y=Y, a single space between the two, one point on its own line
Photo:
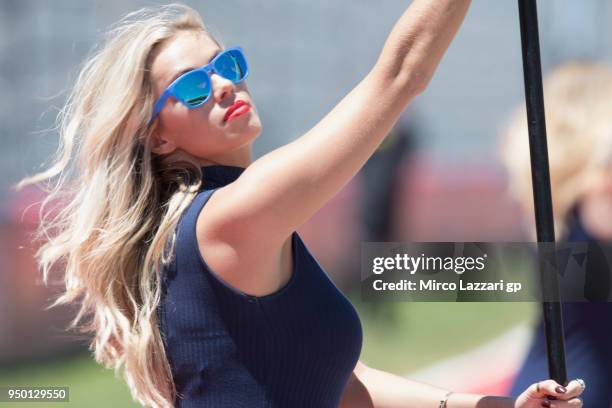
x=193 y=88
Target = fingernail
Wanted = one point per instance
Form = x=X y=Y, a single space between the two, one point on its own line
x=560 y=389
x=546 y=403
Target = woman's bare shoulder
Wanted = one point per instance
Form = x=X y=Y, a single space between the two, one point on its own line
x=246 y=260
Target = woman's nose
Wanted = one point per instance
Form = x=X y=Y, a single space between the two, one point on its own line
x=222 y=87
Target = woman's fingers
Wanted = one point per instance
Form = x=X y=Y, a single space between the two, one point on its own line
x=574 y=389
x=550 y=394
x=565 y=397
x=548 y=388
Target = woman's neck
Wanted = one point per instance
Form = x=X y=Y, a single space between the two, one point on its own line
x=241 y=157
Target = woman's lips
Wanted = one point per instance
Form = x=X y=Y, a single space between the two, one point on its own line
x=237 y=109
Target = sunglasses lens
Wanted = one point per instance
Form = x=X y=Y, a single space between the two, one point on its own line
x=232 y=65
x=193 y=88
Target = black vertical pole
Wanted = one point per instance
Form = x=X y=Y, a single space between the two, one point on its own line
x=540 y=177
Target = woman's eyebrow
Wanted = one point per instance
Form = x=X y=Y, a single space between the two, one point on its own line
x=190 y=68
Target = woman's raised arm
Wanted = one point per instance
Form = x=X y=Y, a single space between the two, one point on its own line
x=285 y=187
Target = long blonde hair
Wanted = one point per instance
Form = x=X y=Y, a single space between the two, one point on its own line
x=113 y=204
x=577 y=99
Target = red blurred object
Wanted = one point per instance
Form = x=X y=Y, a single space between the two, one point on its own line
x=459 y=202
x=27 y=331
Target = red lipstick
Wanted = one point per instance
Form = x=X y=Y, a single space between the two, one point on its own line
x=238 y=108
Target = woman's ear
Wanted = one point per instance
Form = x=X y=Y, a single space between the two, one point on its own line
x=161 y=144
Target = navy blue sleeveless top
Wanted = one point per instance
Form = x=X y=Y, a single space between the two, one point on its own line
x=296 y=347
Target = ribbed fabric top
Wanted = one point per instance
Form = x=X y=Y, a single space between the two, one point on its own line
x=293 y=348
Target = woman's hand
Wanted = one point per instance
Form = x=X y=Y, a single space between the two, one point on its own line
x=537 y=394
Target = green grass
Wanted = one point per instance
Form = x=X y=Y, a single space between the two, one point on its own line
x=91 y=385
x=400 y=338
x=406 y=336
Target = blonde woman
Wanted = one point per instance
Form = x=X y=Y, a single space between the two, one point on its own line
x=578 y=107
x=222 y=305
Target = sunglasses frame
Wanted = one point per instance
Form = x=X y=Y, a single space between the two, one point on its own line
x=208 y=69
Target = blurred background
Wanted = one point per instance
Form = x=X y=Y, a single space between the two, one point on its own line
x=437 y=177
